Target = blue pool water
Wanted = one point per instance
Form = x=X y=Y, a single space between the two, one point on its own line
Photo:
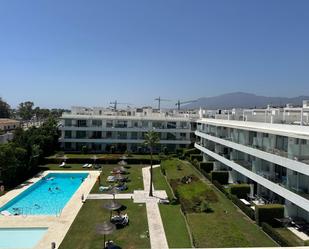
x=15 y=238
x=46 y=197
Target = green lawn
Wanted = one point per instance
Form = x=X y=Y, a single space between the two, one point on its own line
x=173 y=221
x=227 y=226
x=172 y=172
x=175 y=226
x=135 y=177
x=291 y=237
x=160 y=183
x=81 y=234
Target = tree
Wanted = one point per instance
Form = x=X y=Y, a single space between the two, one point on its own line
x=151 y=139
x=4 y=109
x=25 y=110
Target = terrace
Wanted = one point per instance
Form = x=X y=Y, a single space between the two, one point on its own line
x=182 y=224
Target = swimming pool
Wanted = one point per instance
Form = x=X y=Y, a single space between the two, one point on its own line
x=20 y=238
x=46 y=197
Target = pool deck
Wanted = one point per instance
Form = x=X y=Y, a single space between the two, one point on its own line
x=57 y=225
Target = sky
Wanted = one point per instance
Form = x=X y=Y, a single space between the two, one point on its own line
x=59 y=53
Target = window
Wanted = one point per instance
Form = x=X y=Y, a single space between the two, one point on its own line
x=171 y=125
x=80 y=134
x=68 y=122
x=97 y=123
x=68 y=134
x=81 y=123
x=109 y=123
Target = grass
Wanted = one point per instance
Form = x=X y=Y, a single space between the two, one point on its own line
x=135 y=177
x=160 y=183
x=227 y=226
x=176 y=169
x=291 y=237
x=175 y=226
x=82 y=235
x=173 y=221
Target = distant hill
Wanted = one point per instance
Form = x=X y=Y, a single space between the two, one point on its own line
x=243 y=100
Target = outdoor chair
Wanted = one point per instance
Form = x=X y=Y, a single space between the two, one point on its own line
x=85 y=165
x=111 y=179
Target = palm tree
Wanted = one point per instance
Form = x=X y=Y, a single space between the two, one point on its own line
x=151 y=139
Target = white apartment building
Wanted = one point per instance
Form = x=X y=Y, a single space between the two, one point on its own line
x=270 y=152
x=107 y=130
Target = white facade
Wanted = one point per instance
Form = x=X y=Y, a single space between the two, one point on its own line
x=107 y=130
x=272 y=157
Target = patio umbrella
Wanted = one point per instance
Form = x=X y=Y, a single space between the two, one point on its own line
x=105 y=228
x=113 y=192
x=112 y=205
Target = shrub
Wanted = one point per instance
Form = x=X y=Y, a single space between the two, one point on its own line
x=195 y=164
x=275 y=235
x=267 y=213
x=188 y=152
x=240 y=190
x=221 y=176
x=191 y=195
x=206 y=167
x=197 y=157
x=205 y=207
x=247 y=210
x=179 y=151
x=221 y=188
x=84 y=149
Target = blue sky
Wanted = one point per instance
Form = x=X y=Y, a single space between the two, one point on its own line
x=60 y=53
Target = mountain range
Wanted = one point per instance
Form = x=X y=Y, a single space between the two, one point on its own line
x=243 y=100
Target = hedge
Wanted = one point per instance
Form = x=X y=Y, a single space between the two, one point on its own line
x=240 y=190
x=275 y=235
x=100 y=160
x=268 y=213
x=221 y=188
x=247 y=210
x=207 y=167
x=188 y=152
x=197 y=157
x=221 y=176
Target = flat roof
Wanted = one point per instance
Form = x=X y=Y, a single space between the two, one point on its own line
x=8 y=121
x=113 y=117
x=296 y=131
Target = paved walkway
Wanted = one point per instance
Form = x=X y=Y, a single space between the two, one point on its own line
x=109 y=196
x=156 y=229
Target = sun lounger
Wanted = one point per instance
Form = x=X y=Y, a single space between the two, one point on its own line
x=111 y=179
x=122 y=220
x=6 y=213
x=62 y=164
x=103 y=188
x=89 y=165
x=85 y=165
